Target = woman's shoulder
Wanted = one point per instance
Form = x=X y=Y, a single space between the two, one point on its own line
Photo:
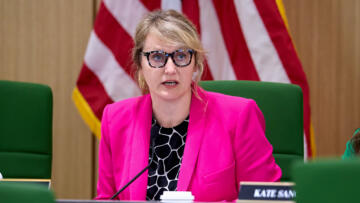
x=125 y=106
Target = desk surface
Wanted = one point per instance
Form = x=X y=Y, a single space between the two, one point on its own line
x=99 y=201
x=107 y=201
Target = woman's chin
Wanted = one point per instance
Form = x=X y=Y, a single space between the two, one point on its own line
x=169 y=95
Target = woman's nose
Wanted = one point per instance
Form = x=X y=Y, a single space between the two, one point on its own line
x=170 y=67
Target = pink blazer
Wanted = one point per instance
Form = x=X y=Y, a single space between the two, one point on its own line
x=225 y=144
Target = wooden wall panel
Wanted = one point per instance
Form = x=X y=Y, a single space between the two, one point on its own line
x=327 y=37
x=44 y=41
x=96 y=142
x=97 y=2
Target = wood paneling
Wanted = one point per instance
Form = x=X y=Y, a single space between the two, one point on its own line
x=327 y=37
x=44 y=41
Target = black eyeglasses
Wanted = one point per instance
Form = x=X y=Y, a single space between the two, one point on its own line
x=158 y=59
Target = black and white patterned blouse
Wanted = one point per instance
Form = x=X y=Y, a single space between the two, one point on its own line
x=169 y=144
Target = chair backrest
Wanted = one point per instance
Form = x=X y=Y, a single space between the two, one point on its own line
x=282 y=106
x=25 y=130
x=26 y=192
x=330 y=181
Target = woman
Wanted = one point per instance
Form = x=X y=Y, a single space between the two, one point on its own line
x=353 y=146
x=194 y=140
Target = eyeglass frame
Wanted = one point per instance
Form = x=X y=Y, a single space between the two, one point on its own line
x=147 y=54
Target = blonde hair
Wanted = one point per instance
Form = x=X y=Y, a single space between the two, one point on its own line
x=174 y=28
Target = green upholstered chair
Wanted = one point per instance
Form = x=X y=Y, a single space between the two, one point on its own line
x=25 y=130
x=282 y=106
x=330 y=181
x=28 y=192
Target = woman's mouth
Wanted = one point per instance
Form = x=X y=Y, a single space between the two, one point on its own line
x=170 y=83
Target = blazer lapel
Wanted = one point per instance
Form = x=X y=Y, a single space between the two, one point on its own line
x=193 y=140
x=140 y=149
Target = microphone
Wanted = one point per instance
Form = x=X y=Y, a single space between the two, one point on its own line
x=132 y=180
x=140 y=173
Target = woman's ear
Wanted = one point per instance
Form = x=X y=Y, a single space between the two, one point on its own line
x=195 y=73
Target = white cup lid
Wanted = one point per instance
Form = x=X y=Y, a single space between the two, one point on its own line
x=177 y=196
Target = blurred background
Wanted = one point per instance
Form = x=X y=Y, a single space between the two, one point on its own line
x=44 y=41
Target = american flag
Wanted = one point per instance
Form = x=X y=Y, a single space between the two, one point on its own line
x=244 y=40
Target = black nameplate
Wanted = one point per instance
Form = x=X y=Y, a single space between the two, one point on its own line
x=279 y=191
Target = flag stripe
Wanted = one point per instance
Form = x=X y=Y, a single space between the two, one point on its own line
x=234 y=40
x=218 y=59
x=115 y=80
x=127 y=13
x=207 y=73
x=191 y=9
x=263 y=53
x=92 y=90
x=283 y=45
x=281 y=9
x=151 y=5
x=115 y=38
x=171 y=4
x=280 y=39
